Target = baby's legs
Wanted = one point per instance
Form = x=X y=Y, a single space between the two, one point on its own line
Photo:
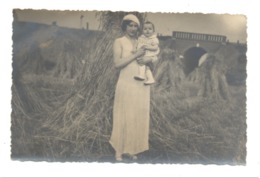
x=149 y=75
x=141 y=73
x=145 y=73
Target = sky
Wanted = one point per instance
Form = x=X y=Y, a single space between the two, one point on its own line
x=232 y=26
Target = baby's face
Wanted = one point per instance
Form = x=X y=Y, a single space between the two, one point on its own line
x=148 y=30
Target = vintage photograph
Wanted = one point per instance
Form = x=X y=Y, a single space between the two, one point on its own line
x=129 y=87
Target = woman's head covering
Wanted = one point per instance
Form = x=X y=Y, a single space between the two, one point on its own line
x=131 y=17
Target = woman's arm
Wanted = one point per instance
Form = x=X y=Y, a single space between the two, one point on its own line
x=144 y=60
x=117 y=51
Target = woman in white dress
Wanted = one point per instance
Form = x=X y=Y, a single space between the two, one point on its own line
x=131 y=111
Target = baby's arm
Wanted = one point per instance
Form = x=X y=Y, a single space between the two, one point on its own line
x=152 y=47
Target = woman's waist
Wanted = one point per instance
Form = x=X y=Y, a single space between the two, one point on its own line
x=130 y=69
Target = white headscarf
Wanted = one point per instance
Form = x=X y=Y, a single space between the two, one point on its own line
x=131 y=17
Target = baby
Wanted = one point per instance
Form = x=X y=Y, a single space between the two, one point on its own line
x=148 y=41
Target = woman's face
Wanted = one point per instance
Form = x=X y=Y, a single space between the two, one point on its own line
x=131 y=29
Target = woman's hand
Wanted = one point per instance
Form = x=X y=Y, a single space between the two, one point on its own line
x=144 y=60
x=139 y=52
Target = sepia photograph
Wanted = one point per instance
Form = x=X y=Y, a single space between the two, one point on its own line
x=129 y=87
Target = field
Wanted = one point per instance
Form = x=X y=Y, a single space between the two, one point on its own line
x=62 y=98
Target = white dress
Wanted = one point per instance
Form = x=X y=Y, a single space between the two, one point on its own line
x=131 y=111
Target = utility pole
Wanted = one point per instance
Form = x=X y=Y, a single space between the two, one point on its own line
x=87 y=25
x=81 y=21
